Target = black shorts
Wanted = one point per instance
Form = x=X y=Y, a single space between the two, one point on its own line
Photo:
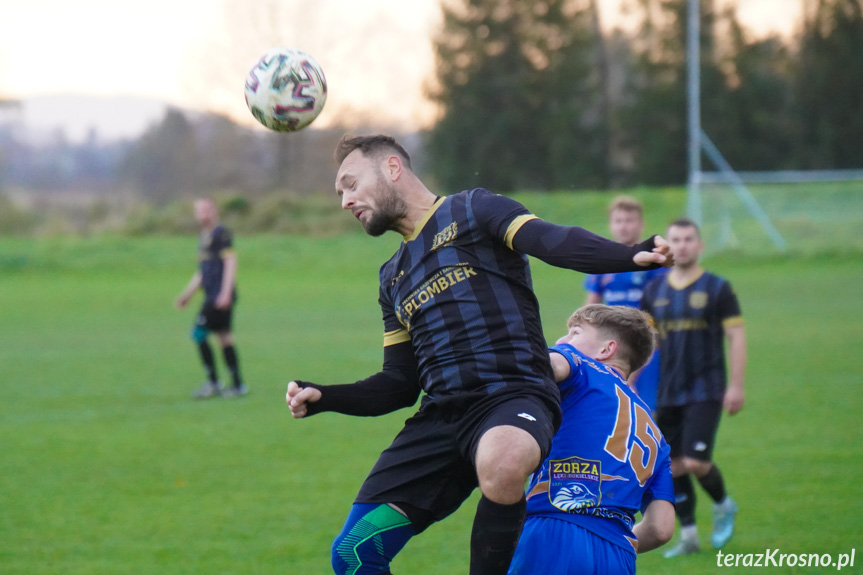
x=215 y=319
x=690 y=429
x=428 y=470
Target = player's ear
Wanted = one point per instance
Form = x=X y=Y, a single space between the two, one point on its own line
x=608 y=350
x=393 y=167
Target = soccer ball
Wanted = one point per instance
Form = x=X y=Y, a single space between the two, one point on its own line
x=286 y=90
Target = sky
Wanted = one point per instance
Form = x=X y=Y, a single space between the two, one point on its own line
x=376 y=54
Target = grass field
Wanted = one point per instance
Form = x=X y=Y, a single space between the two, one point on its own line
x=108 y=466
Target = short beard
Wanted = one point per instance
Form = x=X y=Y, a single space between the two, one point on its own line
x=390 y=210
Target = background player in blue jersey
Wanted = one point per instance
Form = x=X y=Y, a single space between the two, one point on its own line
x=216 y=276
x=695 y=311
x=461 y=323
x=608 y=460
x=626 y=223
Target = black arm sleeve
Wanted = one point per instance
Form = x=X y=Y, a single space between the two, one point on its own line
x=578 y=249
x=394 y=387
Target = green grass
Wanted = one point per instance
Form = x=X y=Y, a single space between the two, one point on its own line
x=108 y=466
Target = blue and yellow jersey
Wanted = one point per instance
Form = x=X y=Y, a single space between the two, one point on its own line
x=212 y=247
x=623 y=288
x=463 y=297
x=608 y=460
x=691 y=320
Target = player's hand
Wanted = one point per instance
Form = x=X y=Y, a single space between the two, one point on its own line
x=733 y=400
x=297 y=397
x=223 y=300
x=661 y=254
x=181 y=302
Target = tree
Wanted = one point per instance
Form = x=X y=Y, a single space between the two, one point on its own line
x=163 y=163
x=520 y=99
x=828 y=86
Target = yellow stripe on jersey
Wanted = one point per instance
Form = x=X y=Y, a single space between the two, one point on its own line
x=227 y=252
x=732 y=321
x=397 y=336
x=421 y=224
x=514 y=226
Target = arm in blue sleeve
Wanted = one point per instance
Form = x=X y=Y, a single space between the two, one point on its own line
x=578 y=249
x=394 y=387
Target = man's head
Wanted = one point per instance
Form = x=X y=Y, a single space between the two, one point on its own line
x=684 y=239
x=206 y=212
x=370 y=169
x=626 y=220
x=612 y=334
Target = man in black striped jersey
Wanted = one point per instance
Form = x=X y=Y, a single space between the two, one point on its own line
x=462 y=324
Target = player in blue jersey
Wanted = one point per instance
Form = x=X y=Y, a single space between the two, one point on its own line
x=608 y=460
x=216 y=277
x=695 y=311
x=462 y=324
x=626 y=223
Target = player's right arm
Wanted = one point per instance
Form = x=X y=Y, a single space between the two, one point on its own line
x=394 y=387
x=189 y=290
x=559 y=366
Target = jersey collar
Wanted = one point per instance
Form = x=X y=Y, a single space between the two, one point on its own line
x=421 y=224
x=684 y=285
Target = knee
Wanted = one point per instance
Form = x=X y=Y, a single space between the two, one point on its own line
x=696 y=467
x=199 y=334
x=503 y=467
x=372 y=535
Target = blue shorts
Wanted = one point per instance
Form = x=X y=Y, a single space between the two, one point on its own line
x=648 y=381
x=557 y=546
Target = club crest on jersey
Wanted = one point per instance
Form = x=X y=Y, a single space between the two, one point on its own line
x=445 y=236
x=574 y=483
x=697 y=299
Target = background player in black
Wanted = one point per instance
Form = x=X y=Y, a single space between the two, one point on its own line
x=695 y=311
x=461 y=323
x=216 y=276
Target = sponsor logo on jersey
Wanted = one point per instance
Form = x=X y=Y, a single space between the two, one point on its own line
x=432 y=287
x=574 y=483
x=697 y=299
x=445 y=236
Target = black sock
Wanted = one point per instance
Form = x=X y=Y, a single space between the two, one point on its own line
x=684 y=505
x=496 y=528
x=230 y=354
x=209 y=362
x=713 y=484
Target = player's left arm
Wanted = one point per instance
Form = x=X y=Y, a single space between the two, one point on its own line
x=229 y=278
x=732 y=324
x=734 y=394
x=570 y=247
x=657 y=505
x=223 y=244
x=656 y=527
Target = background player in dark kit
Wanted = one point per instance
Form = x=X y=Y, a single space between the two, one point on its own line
x=695 y=311
x=216 y=277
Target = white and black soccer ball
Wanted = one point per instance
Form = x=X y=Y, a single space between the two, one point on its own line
x=286 y=89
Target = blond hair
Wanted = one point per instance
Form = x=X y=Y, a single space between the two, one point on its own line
x=626 y=204
x=631 y=328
